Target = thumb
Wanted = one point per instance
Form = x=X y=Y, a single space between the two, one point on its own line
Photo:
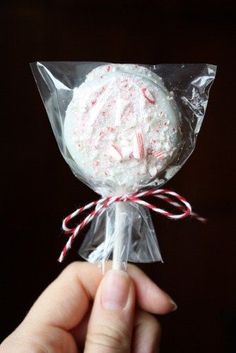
x=111 y=321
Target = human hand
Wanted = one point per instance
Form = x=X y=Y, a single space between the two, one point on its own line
x=84 y=311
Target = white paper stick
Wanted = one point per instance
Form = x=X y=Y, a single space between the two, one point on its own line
x=120 y=228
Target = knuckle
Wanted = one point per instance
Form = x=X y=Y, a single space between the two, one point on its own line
x=12 y=344
x=156 y=326
x=150 y=321
x=72 y=269
x=113 y=338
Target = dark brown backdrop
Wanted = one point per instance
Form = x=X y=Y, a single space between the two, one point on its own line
x=38 y=189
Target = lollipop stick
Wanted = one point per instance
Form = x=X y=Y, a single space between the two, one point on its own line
x=119 y=236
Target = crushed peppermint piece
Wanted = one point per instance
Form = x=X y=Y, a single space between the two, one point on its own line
x=147 y=94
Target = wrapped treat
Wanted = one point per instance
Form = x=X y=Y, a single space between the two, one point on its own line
x=125 y=130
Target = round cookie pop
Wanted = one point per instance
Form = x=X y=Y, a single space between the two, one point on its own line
x=121 y=127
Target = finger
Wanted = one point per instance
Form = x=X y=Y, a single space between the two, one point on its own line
x=150 y=297
x=111 y=322
x=65 y=302
x=159 y=302
x=147 y=333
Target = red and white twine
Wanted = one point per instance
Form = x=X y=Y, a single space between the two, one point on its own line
x=170 y=197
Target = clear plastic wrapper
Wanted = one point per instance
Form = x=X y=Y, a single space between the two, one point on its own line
x=123 y=128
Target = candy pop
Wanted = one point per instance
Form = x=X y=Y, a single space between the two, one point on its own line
x=124 y=129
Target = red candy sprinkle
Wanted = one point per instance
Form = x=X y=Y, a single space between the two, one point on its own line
x=117 y=148
x=157 y=154
x=148 y=95
x=140 y=142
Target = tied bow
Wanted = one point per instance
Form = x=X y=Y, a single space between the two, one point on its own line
x=170 y=197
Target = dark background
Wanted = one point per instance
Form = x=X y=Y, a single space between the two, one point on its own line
x=38 y=188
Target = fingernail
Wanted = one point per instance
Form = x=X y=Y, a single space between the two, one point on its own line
x=174 y=305
x=115 y=290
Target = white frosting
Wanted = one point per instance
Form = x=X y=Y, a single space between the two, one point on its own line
x=121 y=127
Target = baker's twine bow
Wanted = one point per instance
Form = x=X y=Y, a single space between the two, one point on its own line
x=170 y=197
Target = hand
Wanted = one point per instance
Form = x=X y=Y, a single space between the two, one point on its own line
x=84 y=311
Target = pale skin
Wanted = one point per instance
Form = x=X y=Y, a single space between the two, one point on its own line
x=84 y=311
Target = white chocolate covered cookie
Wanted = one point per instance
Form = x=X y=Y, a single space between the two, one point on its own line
x=122 y=127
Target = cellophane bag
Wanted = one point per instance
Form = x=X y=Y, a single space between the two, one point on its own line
x=80 y=88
